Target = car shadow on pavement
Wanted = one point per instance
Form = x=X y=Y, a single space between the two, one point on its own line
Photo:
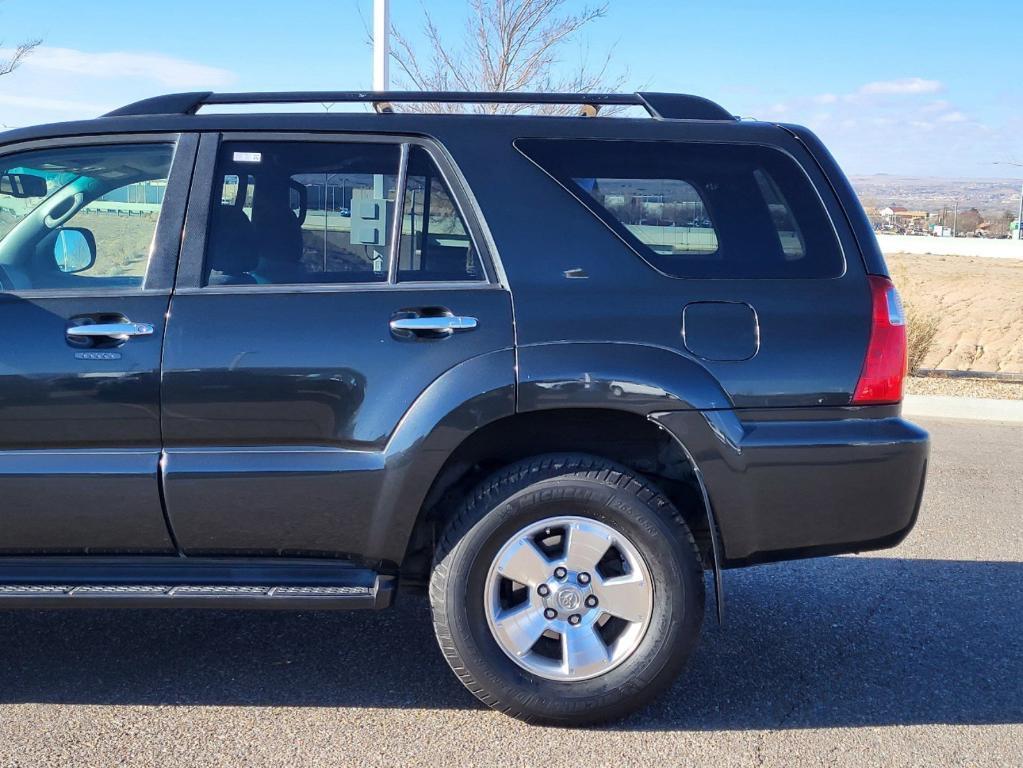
x=846 y=641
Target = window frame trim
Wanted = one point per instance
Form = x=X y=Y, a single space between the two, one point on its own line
x=196 y=230
x=643 y=257
x=163 y=257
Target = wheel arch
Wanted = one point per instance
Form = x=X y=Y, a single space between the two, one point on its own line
x=638 y=443
x=587 y=397
x=451 y=409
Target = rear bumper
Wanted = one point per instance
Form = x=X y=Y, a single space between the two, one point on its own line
x=782 y=489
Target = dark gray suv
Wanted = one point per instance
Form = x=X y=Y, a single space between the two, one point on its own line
x=550 y=369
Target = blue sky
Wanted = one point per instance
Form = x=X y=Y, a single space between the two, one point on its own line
x=914 y=88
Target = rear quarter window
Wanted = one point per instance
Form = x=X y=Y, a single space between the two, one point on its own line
x=700 y=210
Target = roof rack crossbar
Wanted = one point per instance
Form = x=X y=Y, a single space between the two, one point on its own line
x=658 y=105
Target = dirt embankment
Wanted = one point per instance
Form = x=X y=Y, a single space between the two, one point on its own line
x=978 y=303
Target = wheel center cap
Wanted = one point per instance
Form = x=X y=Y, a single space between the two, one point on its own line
x=569 y=598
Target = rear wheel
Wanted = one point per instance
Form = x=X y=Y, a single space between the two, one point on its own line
x=567 y=590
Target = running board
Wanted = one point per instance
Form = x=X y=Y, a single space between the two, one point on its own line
x=172 y=582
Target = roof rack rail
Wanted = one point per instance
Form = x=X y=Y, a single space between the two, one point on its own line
x=669 y=106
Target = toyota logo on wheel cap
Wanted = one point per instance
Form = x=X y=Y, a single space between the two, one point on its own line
x=569 y=599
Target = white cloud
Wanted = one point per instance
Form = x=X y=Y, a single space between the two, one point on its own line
x=903 y=126
x=68 y=84
x=52 y=105
x=939 y=105
x=166 y=70
x=904 y=86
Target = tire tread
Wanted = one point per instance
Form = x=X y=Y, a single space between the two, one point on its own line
x=501 y=485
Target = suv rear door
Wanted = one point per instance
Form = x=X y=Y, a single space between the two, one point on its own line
x=88 y=249
x=301 y=334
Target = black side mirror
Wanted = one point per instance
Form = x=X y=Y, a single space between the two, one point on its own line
x=74 y=250
x=22 y=185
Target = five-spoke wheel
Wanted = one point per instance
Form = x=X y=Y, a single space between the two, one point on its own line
x=568 y=598
x=566 y=590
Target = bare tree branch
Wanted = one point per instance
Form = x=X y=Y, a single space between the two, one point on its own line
x=21 y=52
x=506 y=46
x=18 y=56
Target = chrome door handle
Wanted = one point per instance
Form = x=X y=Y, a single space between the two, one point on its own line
x=111 y=329
x=448 y=323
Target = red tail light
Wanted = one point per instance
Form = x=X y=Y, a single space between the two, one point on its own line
x=885 y=365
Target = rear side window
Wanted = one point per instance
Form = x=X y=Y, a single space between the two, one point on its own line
x=435 y=244
x=301 y=212
x=700 y=210
x=287 y=213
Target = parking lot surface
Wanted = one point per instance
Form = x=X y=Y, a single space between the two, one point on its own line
x=912 y=656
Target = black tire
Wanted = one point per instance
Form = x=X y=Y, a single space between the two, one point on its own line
x=527 y=492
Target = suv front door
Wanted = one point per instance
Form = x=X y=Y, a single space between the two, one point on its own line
x=89 y=236
x=316 y=277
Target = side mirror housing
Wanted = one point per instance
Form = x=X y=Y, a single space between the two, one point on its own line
x=74 y=250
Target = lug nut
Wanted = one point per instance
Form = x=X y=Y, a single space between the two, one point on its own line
x=560 y=573
x=574 y=619
x=543 y=590
x=584 y=578
x=550 y=613
x=591 y=601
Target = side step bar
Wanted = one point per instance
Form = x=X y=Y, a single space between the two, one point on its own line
x=179 y=582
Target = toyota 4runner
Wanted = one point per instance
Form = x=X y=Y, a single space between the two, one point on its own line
x=549 y=369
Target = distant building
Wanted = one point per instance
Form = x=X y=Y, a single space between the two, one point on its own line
x=899 y=218
x=891 y=211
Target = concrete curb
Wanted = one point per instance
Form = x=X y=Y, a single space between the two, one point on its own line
x=947 y=407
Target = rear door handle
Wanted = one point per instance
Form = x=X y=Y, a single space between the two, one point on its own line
x=448 y=323
x=111 y=330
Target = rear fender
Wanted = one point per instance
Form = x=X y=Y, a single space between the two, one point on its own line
x=640 y=378
x=460 y=401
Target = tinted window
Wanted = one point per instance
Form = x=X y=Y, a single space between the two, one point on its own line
x=700 y=210
x=301 y=212
x=322 y=212
x=94 y=225
x=435 y=242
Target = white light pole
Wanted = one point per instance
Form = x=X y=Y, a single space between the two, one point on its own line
x=381 y=82
x=381 y=44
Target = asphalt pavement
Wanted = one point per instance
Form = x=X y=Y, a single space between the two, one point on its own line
x=906 y=657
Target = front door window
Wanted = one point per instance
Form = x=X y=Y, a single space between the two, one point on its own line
x=78 y=219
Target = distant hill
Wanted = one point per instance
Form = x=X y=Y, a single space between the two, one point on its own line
x=990 y=196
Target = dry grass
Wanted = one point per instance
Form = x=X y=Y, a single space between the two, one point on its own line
x=921 y=329
x=965 y=313
x=123 y=242
x=922 y=324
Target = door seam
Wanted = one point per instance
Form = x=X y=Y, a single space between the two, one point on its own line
x=160 y=465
